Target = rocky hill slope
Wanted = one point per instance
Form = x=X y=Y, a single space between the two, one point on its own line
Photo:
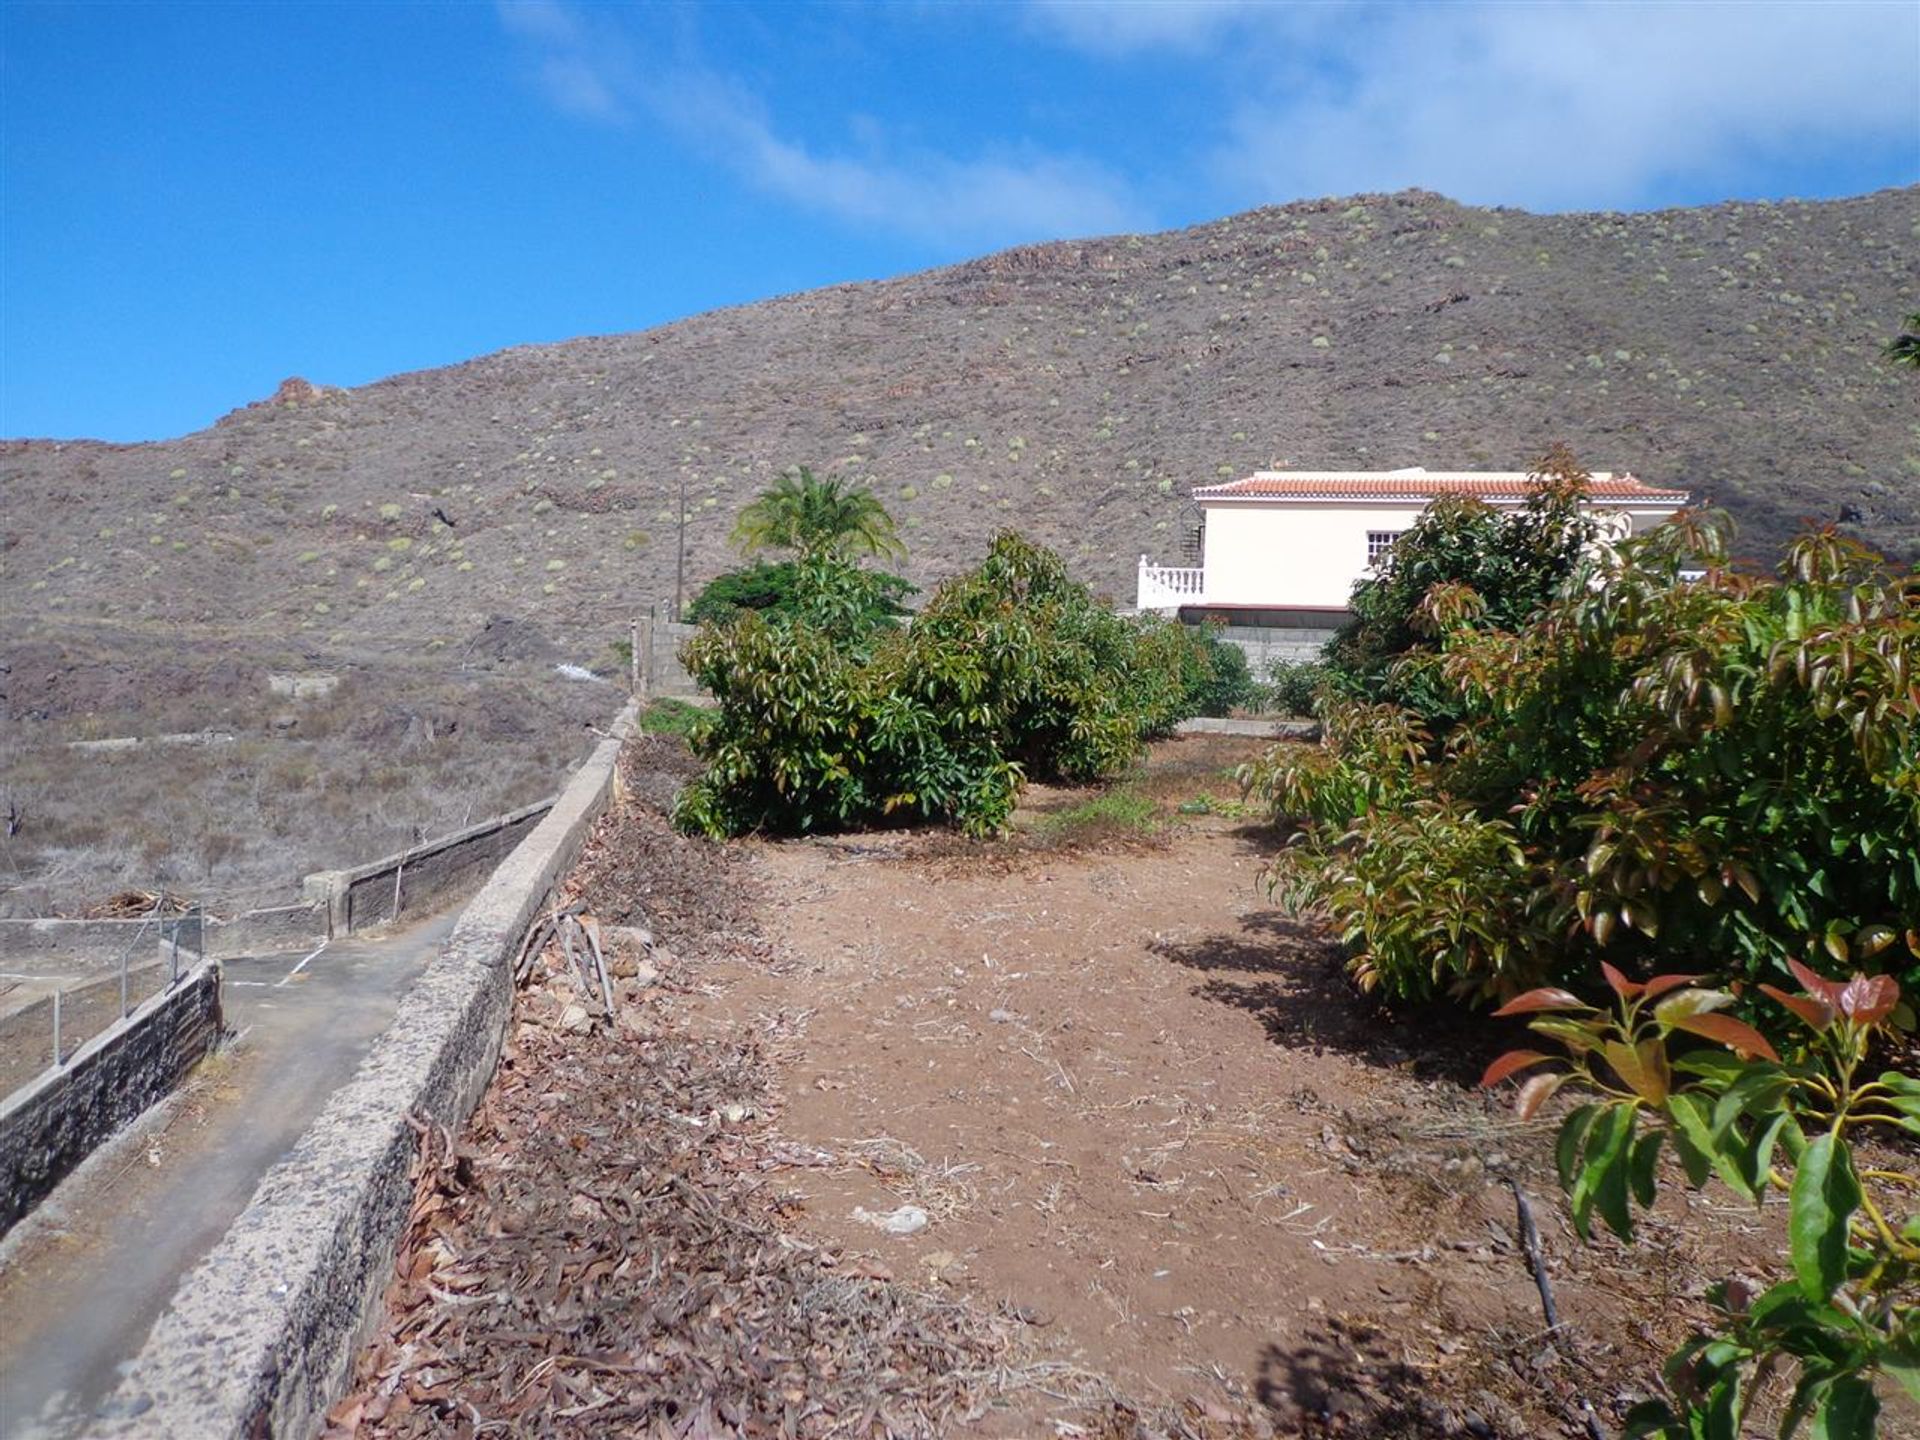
x=1076 y=390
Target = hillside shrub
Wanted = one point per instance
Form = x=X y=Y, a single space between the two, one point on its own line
x=1656 y=770
x=1845 y=1313
x=1012 y=671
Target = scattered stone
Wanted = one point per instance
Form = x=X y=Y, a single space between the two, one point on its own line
x=907 y=1220
x=1000 y=1017
x=575 y=1019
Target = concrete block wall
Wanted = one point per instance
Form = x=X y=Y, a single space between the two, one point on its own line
x=265 y=932
x=1265 y=644
x=663 y=676
x=49 y=1126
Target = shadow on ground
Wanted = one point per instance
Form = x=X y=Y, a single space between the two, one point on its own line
x=1340 y=1382
x=1292 y=975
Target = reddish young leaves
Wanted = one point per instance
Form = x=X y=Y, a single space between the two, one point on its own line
x=1741 y=1038
x=1661 y=984
x=1864 y=1000
x=1546 y=998
x=1508 y=1064
x=1867 y=1000
x=1626 y=989
x=1816 y=1013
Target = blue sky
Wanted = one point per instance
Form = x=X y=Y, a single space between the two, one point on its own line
x=198 y=200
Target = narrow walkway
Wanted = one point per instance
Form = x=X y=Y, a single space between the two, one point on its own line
x=83 y=1278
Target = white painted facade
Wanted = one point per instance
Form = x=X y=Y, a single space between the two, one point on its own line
x=1282 y=540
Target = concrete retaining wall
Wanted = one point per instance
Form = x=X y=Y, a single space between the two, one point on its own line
x=413 y=880
x=1265 y=644
x=45 y=947
x=71 y=944
x=1262 y=727
x=260 y=1338
x=338 y=902
x=51 y=1125
x=264 y=932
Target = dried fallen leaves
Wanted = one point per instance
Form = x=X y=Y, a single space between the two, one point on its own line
x=602 y=1251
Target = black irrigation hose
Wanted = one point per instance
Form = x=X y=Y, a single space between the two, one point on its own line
x=1536 y=1262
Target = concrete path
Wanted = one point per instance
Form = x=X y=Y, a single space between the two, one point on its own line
x=83 y=1278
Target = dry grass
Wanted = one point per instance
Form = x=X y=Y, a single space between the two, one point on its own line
x=388 y=759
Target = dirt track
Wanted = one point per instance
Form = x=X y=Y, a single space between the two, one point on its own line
x=1177 y=1179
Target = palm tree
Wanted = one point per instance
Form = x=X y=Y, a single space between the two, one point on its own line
x=1904 y=349
x=809 y=515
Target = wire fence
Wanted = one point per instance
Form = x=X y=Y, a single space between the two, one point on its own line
x=159 y=950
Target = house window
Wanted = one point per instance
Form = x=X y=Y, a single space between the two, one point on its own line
x=1379 y=542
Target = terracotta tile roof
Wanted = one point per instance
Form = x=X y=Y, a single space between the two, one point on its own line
x=1418 y=485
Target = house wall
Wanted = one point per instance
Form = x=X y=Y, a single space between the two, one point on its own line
x=1307 y=555
x=1310 y=554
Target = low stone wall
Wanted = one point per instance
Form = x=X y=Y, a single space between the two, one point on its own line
x=265 y=932
x=49 y=1126
x=1264 y=644
x=78 y=947
x=1261 y=727
x=71 y=944
x=260 y=1338
x=412 y=881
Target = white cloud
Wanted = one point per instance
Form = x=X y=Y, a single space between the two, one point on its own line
x=990 y=199
x=583 y=66
x=1114 y=27
x=582 y=70
x=547 y=21
x=1573 y=107
x=1553 y=106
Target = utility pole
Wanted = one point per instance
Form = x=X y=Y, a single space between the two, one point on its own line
x=680 y=565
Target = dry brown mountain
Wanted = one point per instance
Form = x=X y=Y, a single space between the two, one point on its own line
x=1076 y=391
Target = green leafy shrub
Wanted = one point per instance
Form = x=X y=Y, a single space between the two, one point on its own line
x=1726 y=766
x=1011 y=671
x=1220 y=678
x=1514 y=562
x=1293 y=686
x=1846 y=1313
x=774 y=588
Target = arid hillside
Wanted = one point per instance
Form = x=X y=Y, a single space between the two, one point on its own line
x=1076 y=390
x=404 y=533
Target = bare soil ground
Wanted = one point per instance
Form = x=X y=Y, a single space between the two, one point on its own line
x=1164 y=1172
x=87 y=1008
x=397 y=752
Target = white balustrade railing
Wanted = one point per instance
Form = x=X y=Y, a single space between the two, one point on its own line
x=1167 y=587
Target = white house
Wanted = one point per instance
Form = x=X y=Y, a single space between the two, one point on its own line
x=1284 y=547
